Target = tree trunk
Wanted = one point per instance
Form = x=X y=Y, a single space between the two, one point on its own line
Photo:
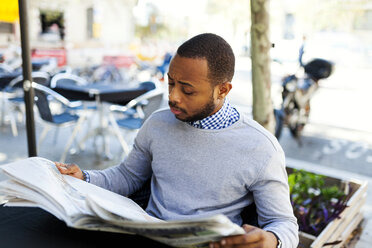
x=260 y=54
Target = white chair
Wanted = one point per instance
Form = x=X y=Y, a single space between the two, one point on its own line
x=45 y=99
x=67 y=78
x=13 y=102
x=131 y=116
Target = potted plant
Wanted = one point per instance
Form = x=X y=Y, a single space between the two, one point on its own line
x=327 y=208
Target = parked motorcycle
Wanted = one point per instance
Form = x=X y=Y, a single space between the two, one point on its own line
x=297 y=92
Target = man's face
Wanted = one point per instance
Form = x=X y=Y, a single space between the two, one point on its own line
x=191 y=96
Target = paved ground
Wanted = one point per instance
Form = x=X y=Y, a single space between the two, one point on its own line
x=338 y=139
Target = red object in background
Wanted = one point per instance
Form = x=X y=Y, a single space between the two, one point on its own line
x=119 y=61
x=59 y=53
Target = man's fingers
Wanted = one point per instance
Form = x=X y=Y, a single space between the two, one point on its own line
x=253 y=235
x=66 y=168
x=226 y=244
x=214 y=245
x=60 y=167
x=247 y=228
x=251 y=245
x=69 y=169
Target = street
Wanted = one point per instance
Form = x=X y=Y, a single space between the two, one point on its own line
x=339 y=132
x=334 y=147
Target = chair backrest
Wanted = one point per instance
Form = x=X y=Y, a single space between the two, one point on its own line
x=39 y=77
x=155 y=99
x=142 y=196
x=15 y=83
x=43 y=97
x=149 y=101
x=148 y=85
x=67 y=78
x=42 y=103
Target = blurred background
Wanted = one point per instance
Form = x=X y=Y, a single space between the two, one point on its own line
x=132 y=41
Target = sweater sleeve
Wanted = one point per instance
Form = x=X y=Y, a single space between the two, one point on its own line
x=131 y=173
x=271 y=195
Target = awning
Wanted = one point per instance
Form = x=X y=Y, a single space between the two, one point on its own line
x=9 y=11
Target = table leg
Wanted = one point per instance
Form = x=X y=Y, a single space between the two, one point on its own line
x=101 y=130
x=72 y=137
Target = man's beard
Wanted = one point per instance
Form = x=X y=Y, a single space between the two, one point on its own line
x=204 y=112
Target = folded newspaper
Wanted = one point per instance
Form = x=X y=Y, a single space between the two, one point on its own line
x=36 y=182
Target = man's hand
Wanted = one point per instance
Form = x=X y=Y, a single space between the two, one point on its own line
x=69 y=169
x=254 y=237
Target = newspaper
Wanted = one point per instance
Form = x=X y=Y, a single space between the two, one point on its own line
x=36 y=182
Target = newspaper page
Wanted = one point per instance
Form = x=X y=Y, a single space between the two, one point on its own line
x=42 y=176
x=37 y=182
x=20 y=195
x=191 y=232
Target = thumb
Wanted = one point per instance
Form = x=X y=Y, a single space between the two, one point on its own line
x=248 y=228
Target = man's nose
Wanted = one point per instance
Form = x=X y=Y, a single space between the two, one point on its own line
x=174 y=95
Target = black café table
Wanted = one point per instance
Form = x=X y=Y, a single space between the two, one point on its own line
x=102 y=93
x=34 y=227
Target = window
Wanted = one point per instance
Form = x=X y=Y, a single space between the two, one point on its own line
x=52 y=25
x=6 y=28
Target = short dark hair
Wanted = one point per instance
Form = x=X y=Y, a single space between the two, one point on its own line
x=218 y=53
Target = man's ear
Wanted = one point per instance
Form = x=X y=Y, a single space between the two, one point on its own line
x=224 y=89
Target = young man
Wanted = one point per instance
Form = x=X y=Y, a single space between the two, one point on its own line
x=203 y=156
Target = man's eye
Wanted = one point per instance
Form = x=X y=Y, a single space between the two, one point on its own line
x=187 y=92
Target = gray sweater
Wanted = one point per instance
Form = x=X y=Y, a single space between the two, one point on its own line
x=197 y=172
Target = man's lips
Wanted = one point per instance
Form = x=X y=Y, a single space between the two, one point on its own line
x=175 y=111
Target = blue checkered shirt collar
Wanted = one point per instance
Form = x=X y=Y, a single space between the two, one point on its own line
x=224 y=117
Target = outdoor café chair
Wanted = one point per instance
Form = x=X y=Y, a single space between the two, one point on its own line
x=132 y=115
x=67 y=78
x=70 y=79
x=13 y=96
x=46 y=101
